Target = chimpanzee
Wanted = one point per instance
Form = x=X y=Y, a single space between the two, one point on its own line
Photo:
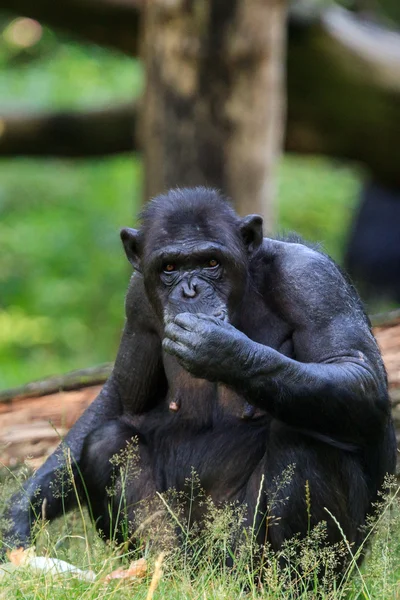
x=241 y=356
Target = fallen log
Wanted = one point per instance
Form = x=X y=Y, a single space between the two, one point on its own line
x=35 y=417
x=32 y=427
x=60 y=383
x=101 y=131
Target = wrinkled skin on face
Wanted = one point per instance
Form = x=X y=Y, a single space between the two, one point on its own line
x=194 y=286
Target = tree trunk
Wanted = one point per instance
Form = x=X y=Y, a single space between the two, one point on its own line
x=214 y=103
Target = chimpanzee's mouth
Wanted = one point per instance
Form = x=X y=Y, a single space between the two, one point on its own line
x=219 y=313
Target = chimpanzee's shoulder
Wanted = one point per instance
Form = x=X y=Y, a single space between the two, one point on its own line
x=292 y=254
x=300 y=273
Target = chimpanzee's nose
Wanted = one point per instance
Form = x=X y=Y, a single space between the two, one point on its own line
x=189 y=290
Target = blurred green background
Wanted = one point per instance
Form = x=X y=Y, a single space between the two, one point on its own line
x=63 y=274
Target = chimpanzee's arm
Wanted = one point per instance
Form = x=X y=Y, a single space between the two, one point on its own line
x=48 y=491
x=130 y=388
x=138 y=371
x=335 y=384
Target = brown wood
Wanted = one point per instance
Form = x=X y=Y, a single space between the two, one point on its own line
x=31 y=428
x=96 y=132
x=213 y=107
x=343 y=91
x=59 y=383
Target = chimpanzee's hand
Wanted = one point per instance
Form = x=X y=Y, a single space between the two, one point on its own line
x=208 y=347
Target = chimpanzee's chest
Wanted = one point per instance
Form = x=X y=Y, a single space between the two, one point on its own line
x=201 y=403
x=265 y=327
x=218 y=461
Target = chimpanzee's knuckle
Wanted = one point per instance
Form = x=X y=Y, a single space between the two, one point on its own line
x=169 y=330
x=166 y=344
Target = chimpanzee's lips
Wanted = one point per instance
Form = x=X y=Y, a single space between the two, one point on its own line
x=220 y=312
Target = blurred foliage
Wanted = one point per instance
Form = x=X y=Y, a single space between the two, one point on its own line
x=317 y=198
x=54 y=73
x=63 y=274
x=62 y=270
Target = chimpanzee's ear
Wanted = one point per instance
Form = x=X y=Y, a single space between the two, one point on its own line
x=252 y=232
x=130 y=240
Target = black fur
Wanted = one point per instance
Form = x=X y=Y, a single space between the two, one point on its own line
x=240 y=357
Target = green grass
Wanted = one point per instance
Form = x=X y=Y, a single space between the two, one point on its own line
x=194 y=566
x=62 y=272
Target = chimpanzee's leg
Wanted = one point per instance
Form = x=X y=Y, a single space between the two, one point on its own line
x=305 y=482
x=117 y=475
x=49 y=491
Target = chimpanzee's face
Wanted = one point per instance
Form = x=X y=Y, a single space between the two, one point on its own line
x=193 y=275
x=193 y=251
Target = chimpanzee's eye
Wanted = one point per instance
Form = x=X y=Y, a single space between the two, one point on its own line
x=169 y=268
x=212 y=263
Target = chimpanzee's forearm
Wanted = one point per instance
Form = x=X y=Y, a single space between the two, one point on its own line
x=51 y=490
x=346 y=398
